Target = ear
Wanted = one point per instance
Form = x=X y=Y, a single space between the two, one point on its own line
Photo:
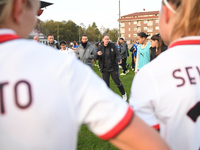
x=18 y=8
x=167 y=14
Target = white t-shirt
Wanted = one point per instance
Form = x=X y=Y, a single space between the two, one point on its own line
x=166 y=94
x=68 y=51
x=44 y=102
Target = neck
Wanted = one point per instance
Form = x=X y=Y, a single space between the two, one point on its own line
x=145 y=42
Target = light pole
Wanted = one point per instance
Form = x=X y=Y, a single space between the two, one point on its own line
x=58 y=33
x=119 y=20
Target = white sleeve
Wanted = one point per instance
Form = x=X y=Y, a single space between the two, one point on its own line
x=103 y=111
x=143 y=97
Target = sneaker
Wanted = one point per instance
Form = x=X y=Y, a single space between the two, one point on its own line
x=127 y=71
x=120 y=66
x=124 y=97
x=132 y=69
x=122 y=74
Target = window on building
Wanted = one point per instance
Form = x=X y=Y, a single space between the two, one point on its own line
x=135 y=22
x=123 y=35
x=129 y=23
x=129 y=29
x=145 y=28
x=157 y=21
x=150 y=29
x=122 y=30
x=134 y=35
x=129 y=35
x=123 y=24
x=135 y=29
x=157 y=28
x=145 y=21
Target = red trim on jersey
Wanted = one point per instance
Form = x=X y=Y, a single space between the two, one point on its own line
x=157 y=127
x=120 y=126
x=8 y=37
x=185 y=42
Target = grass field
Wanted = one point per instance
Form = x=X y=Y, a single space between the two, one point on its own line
x=86 y=139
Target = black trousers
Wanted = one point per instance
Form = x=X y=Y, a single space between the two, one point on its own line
x=116 y=79
x=124 y=65
x=133 y=63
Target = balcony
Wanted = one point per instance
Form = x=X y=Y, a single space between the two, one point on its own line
x=139 y=24
x=150 y=24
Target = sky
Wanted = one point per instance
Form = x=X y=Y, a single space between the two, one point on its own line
x=103 y=12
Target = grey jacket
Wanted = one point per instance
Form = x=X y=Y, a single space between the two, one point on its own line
x=54 y=45
x=86 y=55
x=124 y=50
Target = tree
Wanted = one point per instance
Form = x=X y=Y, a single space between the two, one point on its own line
x=114 y=34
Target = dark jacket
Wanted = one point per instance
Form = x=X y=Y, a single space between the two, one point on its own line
x=86 y=54
x=124 y=51
x=153 y=53
x=114 y=57
x=54 y=45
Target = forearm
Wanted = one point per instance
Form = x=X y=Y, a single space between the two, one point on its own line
x=139 y=136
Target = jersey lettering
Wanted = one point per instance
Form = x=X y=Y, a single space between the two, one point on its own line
x=176 y=77
x=2 y=97
x=190 y=78
x=2 y=108
x=194 y=113
x=16 y=95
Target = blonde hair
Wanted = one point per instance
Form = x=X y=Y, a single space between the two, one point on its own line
x=6 y=8
x=187 y=18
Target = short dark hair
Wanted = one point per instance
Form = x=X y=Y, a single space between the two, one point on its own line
x=63 y=42
x=85 y=35
x=50 y=35
x=106 y=34
x=143 y=35
x=121 y=39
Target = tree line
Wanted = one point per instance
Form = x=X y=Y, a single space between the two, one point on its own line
x=70 y=31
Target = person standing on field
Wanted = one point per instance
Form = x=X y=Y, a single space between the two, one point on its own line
x=85 y=52
x=108 y=56
x=166 y=92
x=123 y=55
x=46 y=96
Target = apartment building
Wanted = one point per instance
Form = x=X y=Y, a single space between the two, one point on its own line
x=132 y=24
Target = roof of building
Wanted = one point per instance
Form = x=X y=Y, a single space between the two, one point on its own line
x=142 y=13
x=138 y=18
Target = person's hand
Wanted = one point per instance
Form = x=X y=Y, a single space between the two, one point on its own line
x=120 y=62
x=99 y=53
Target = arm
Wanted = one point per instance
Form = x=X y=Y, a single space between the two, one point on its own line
x=118 y=58
x=137 y=135
x=92 y=53
x=137 y=61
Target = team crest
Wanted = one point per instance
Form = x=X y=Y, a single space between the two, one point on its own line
x=112 y=49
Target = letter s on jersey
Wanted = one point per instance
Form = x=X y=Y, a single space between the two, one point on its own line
x=177 y=77
x=2 y=85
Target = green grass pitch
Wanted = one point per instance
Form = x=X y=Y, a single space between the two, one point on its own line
x=86 y=139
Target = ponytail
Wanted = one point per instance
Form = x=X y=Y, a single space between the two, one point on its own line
x=187 y=18
x=143 y=35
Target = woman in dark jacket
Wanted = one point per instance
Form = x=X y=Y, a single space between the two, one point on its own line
x=109 y=56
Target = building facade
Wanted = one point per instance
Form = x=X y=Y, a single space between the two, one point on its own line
x=132 y=24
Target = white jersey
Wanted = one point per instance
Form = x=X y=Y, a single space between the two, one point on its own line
x=68 y=51
x=44 y=102
x=166 y=94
